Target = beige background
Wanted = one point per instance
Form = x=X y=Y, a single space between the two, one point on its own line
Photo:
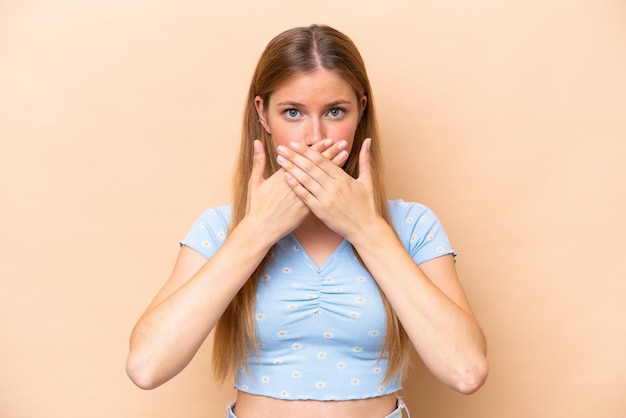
x=119 y=124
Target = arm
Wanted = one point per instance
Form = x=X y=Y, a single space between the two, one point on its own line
x=185 y=310
x=428 y=299
x=431 y=305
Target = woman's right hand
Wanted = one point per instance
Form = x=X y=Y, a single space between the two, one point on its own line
x=271 y=203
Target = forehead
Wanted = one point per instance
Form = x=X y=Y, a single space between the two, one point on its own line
x=317 y=86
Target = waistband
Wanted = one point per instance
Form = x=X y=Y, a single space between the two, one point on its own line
x=397 y=413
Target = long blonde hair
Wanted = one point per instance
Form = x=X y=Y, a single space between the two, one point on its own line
x=295 y=51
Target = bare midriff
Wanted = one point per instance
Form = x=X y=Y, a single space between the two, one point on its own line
x=254 y=406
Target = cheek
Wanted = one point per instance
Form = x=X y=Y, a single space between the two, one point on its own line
x=345 y=133
x=282 y=136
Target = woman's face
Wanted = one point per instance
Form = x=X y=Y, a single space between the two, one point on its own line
x=309 y=107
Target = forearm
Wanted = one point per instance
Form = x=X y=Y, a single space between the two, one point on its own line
x=171 y=331
x=441 y=326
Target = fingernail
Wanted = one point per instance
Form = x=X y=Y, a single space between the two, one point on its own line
x=342 y=155
x=328 y=142
x=281 y=149
x=342 y=144
x=281 y=160
x=295 y=145
x=257 y=147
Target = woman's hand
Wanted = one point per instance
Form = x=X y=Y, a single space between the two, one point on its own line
x=344 y=204
x=271 y=202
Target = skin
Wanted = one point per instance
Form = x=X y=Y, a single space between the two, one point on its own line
x=313 y=198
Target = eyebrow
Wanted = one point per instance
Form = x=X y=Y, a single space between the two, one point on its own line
x=296 y=104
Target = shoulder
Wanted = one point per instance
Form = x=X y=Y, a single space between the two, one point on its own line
x=403 y=212
x=419 y=229
x=216 y=214
x=209 y=230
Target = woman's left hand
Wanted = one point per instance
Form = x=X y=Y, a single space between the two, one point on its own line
x=344 y=204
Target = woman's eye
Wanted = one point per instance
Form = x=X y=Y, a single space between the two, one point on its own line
x=335 y=112
x=292 y=113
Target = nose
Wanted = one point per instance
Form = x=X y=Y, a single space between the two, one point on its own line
x=315 y=132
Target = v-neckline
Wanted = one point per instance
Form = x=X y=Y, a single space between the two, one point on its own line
x=321 y=267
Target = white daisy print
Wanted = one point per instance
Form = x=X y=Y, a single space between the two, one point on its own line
x=409 y=220
x=278 y=362
x=360 y=299
x=354 y=315
x=265 y=379
x=282 y=333
x=431 y=237
x=328 y=335
x=357 y=349
x=341 y=365
x=206 y=244
x=297 y=346
x=291 y=307
x=266 y=278
x=377 y=370
x=321 y=355
x=221 y=234
x=296 y=374
x=260 y=317
x=295 y=248
x=284 y=393
x=201 y=225
x=374 y=333
x=320 y=385
x=440 y=249
x=361 y=279
x=423 y=218
x=355 y=381
x=286 y=270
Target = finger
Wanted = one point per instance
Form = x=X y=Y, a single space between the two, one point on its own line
x=323 y=145
x=338 y=153
x=299 y=174
x=310 y=161
x=305 y=195
x=365 y=161
x=331 y=150
x=258 y=163
x=340 y=159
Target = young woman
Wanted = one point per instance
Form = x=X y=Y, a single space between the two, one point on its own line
x=314 y=283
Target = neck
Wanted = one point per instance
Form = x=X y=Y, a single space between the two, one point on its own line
x=312 y=227
x=318 y=240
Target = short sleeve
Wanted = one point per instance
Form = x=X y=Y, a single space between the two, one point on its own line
x=420 y=231
x=209 y=231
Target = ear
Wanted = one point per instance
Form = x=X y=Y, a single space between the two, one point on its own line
x=260 y=111
x=363 y=104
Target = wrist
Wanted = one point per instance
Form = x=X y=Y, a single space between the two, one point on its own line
x=255 y=234
x=371 y=233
